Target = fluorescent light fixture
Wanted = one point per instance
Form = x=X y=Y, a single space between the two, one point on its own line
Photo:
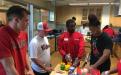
x=114 y=3
x=99 y=3
x=80 y=4
x=85 y=4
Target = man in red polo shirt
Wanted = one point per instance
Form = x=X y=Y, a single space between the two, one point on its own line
x=23 y=40
x=11 y=58
x=71 y=44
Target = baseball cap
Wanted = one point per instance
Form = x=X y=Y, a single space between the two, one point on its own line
x=43 y=26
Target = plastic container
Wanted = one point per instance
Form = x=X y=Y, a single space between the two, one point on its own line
x=71 y=70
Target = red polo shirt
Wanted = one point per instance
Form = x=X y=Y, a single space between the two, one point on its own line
x=9 y=47
x=23 y=40
x=73 y=44
x=119 y=67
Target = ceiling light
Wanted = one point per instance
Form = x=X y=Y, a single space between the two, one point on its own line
x=82 y=4
x=99 y=3
x=86 y=4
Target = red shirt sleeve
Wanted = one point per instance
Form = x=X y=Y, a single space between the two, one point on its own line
x=81 y=48
x=60 y=46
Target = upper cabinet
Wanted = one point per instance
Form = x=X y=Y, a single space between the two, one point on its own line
x=89 y=10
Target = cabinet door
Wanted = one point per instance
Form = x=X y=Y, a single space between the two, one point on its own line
x=98 y=13
x=90 y=10
x=84 y=13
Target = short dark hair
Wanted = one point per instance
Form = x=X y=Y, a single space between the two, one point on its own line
x=74 y=18
x=69 y=21
x=16 y=11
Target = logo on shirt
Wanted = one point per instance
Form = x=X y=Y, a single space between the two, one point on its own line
x=76 y=39
x=22 y=43
x=94 y=47
x=65 y=39
x=44 y=47
x=13 y=45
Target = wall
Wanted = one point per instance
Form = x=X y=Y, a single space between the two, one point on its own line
x=3 y=17
x=41 y=3
x=115 y=20
x=37 y=3
x=67 y=12
x=105 y=16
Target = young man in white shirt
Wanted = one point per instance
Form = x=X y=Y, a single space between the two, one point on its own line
x=40 y=51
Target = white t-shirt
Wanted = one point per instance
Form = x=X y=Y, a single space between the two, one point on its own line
x=36 y=51
x=84 y=31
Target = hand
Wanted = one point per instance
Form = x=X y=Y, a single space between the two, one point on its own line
x=76 y=61
x=87 y=58
x=68 y=58
x=90 y=67
x=29 y=73
x=105 y=73
x=48 y=69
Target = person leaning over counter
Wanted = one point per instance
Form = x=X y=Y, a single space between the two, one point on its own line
x=39 y=50
x=71 y=44
x=101 y=46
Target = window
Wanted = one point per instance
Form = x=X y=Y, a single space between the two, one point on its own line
x=51 y=15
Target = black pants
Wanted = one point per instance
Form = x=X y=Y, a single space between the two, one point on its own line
x=38 y=73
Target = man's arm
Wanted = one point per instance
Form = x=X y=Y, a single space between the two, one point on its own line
x=9 y=67
x=39 y=63
x=28 y=66
x=81 y=47
x=113 y=70
x=60 y=46
x=103 y=58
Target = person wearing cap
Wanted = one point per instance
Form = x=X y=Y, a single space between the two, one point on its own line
x=39 y=50
x=71 y=44
x=101 y=46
